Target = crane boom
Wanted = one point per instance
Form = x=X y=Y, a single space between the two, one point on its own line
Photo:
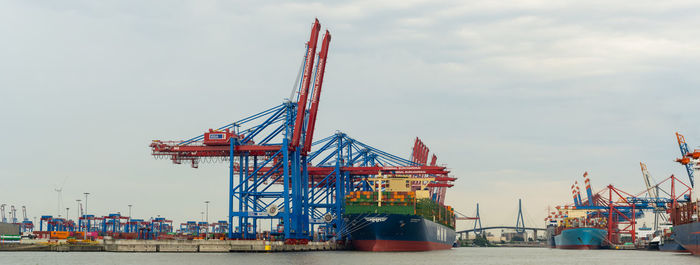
x=589 y=191
x=578 y=193
x=684 y=159
x=304 y=90
x=420 y=152
x=313 y=111
x=573 y=193
x=13 y=214
x=24 y=213
x=647 y=180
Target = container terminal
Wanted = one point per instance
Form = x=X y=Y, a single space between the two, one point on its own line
x=338 y=192
x=609 y=218
x=281 y=176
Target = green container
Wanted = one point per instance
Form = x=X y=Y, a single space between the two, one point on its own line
x=10 y=237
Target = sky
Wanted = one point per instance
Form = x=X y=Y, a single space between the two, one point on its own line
x=516 y=98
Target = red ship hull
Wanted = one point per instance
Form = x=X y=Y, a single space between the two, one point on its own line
x=695 y=249
x=398 y=232
x=398 y=245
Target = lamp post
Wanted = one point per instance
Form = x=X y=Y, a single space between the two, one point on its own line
x=79 y=223
x=206 y=235
x=86 y=197
x=87 y=223
x=128 y=222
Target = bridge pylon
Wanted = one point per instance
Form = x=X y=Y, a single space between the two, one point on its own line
x=519 y=220
x=477 y=222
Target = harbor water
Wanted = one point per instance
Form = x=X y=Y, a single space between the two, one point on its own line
x=487 y=256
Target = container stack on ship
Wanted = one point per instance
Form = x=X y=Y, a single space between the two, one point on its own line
x=580 y=233
x=402 y=217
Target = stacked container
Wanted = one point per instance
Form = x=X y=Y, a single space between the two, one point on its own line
x=394 y=202
x=435 y=212
x=367 y=202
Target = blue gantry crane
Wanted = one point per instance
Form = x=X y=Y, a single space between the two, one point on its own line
x=274 y=175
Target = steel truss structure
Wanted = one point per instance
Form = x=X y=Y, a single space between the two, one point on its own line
x=274 y=175
x=621 y=209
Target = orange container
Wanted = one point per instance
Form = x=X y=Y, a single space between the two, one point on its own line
x=59 y=234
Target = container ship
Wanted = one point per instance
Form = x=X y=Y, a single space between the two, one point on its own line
x=686 y=226
x=579 y=233
x=684 y=215
x=401 y=217
x=580 y=238
x=670 y=245
x=665 y=242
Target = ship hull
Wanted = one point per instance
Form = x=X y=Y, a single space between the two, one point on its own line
x=671 y=246
x=398 y=232
x=580 y=238
x=688 y=235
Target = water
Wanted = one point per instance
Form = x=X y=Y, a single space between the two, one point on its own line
x=487 y=256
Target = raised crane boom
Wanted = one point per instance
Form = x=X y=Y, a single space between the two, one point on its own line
x=651 y=191
x=573 y=194
x=318 y=84
x=578 y=193
x=13 y=214
x=589 y=190
x=304 y=90
x=24 y=213
x=685 y=159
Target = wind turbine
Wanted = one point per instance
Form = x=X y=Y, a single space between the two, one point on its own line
x=59 y=191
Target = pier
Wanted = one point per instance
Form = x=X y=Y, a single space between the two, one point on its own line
x=182 y=246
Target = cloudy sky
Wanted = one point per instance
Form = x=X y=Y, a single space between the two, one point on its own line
x=518 y=98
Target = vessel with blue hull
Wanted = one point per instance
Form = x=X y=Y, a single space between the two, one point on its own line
x=686 y=226
x=580 y=238
x=672 y=246
x=688 y=236
x=399 y=215
x=398 y=232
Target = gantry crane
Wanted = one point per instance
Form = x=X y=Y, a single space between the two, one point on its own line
x=3 y=218
x=13 y=215
x=26 y=225
x=652 y=192
x=274 y=147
